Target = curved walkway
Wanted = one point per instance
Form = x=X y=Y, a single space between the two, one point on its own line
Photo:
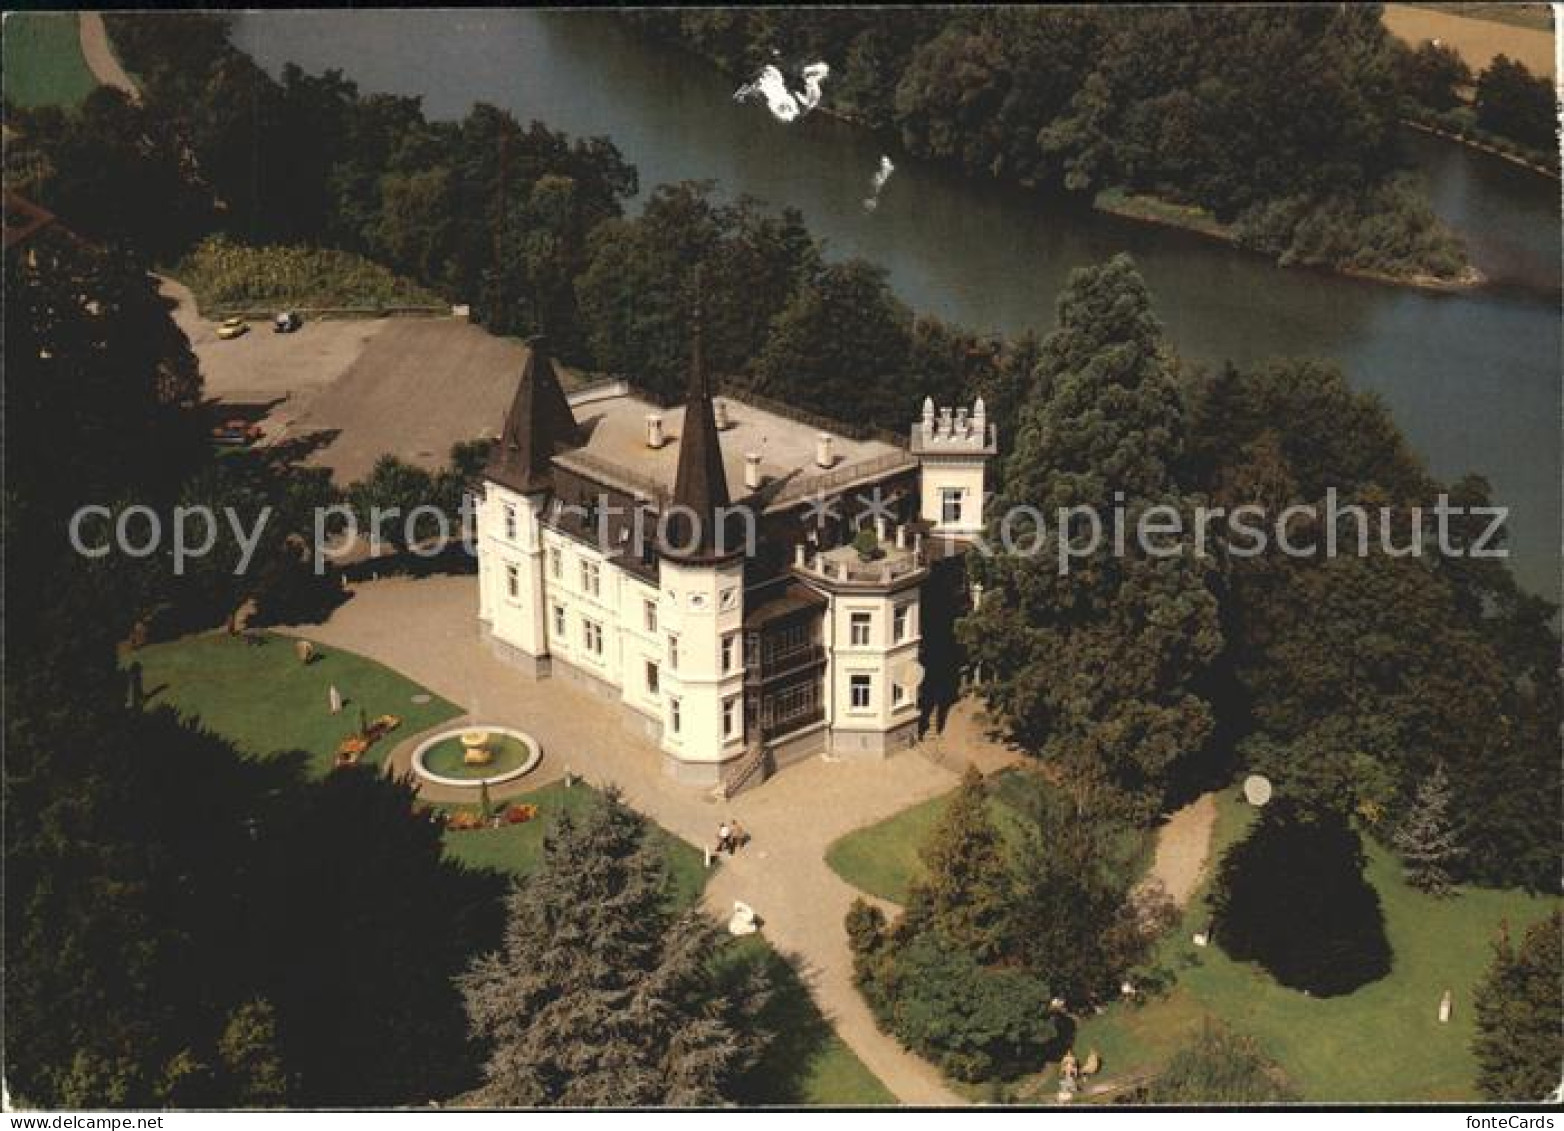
x=99 y=54
x=428 y=630
x=1183 y=843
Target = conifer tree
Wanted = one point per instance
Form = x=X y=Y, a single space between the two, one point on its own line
x=1519 y=1044
x=601 y=994
x=1094 y=655
x=1426 y=839
x=964 y=893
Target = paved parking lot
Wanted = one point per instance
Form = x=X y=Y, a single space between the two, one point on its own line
x=410 y=386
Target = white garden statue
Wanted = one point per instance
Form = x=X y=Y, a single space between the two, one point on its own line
x=743 y=921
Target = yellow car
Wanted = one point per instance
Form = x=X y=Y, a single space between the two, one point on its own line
x=232 y=328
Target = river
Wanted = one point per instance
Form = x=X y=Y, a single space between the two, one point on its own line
x=1473 y=379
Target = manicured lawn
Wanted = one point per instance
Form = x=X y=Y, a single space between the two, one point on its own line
x=807 y=1063
x=1383 y=1042
x=43 y=61
x=516 y=849
x=265 y=701
x=882 y=859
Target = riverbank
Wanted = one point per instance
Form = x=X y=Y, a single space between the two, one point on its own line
x=1480 y=146
x=1144 y=209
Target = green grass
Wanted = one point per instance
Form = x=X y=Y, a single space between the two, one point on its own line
x=516 y=849
x=43 y=61
x=807 y=1063
x=1383 y=1042
x=448 y=758
x=265 y=701
x=882 y=859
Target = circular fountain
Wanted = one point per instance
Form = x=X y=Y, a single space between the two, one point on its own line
x=470 y=757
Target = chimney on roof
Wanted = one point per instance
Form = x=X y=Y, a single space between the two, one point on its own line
x=752 y=471
x=654 y=430
x=719 y=409
x=823 y=454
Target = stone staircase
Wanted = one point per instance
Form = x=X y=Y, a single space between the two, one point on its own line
x=752 y=768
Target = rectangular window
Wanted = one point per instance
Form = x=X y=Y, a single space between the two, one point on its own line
x=859 y=632
x=559 y=621
x=730 y=652
x=950 y=506
x=650 y=608
x=858 y=692
x=730 y=717
x=592 y=636
x=652 y=681
x=513 y=580
x=673 y=653
x=510 y=522
x=675 y=717
x=591 y=578
x=900 y=620
x=556 y=563
x=899 y=695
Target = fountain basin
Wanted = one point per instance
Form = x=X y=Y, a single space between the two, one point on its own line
x=446 y=758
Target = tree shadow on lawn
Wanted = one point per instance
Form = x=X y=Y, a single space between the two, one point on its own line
x=800 y=1033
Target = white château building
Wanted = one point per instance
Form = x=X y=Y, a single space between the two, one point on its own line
x=704 y=568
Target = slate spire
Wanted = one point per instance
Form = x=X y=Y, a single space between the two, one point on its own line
x=700 y=487
x=538 y=424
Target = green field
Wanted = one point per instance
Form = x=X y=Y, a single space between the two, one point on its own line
x=807 y=1063
x=265 y=701
x=43 y=61
x=1383 y=1042
x=261 y=698
x=882 y=859
x=516 y=849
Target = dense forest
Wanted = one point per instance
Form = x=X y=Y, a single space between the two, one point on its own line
x=1506 y=107
x=1348 y=677
x=526 y=225
x=1279 y=121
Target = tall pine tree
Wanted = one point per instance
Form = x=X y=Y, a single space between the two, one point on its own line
x=602 y=995
x=1096 y=666
x=1426 y=840
x=1520 y=1045
x=964 y=893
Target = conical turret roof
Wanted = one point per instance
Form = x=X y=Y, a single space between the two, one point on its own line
x=700 y=487
x=538 y=424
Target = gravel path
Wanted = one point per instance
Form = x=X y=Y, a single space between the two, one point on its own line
x=1182 y=846
x=100 y=57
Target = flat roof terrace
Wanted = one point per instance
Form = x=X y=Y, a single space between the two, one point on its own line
x=616 y=428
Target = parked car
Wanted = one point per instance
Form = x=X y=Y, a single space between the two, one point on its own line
x=232 y=328
x=287 y=322
x=236 y=433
